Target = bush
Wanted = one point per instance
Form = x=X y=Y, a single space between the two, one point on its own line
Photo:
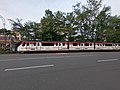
x=2 y=50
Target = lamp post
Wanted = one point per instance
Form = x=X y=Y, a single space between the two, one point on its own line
x=3 y=21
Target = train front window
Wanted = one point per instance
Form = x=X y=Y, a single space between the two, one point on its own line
x=23 y=44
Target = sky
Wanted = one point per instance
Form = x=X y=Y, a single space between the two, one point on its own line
x=34 y=10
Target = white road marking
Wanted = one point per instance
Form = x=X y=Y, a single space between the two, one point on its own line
x=32 y=67
x=107 y=60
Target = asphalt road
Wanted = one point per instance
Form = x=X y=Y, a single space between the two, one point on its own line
x=60 y=71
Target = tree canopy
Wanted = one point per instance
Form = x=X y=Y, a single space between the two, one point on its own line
x=91 y=22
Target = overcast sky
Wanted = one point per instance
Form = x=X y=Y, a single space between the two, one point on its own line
x=34 y=9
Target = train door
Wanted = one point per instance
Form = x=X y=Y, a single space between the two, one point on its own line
x=81 y=45
x=118 y=47
x=56 y=46
x=68 y=45
x=89 y=46
x=32 y=46
x=99 y=46
x=60 y=47
x=63 y=46
x=38 y=46
x=27 y=46
x=74 y=46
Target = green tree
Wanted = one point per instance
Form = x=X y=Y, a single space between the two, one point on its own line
x=17 y=27
x=70 y=27
x=32 y=30
x=80 y=21
x=52 y=26
x=112 y=33
x=91 y=19
x=58 y=26
x=28 y=30
x=47 y=26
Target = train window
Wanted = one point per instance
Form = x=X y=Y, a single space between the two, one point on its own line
x=86 y=44
x=23 y=44
x=59 y=44
x=81 y=44
x=27 y=44
x=38 y=44
x=108 y=44
x=75 y=44
x=56 y=44
x=47 y=44
x=63 y=44
x=115 y=44
x=90 y=44
x=118 y=44
x=34 y=44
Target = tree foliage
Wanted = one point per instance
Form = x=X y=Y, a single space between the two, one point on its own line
x=28 y=30
x=90 y=22
x=112 y=32
x=91 y=19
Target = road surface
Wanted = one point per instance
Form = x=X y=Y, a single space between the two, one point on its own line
x=60 y=71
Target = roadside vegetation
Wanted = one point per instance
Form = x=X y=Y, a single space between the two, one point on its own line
x=91 y=22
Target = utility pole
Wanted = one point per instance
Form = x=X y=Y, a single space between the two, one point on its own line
x=10 y=36
x=3 y=21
